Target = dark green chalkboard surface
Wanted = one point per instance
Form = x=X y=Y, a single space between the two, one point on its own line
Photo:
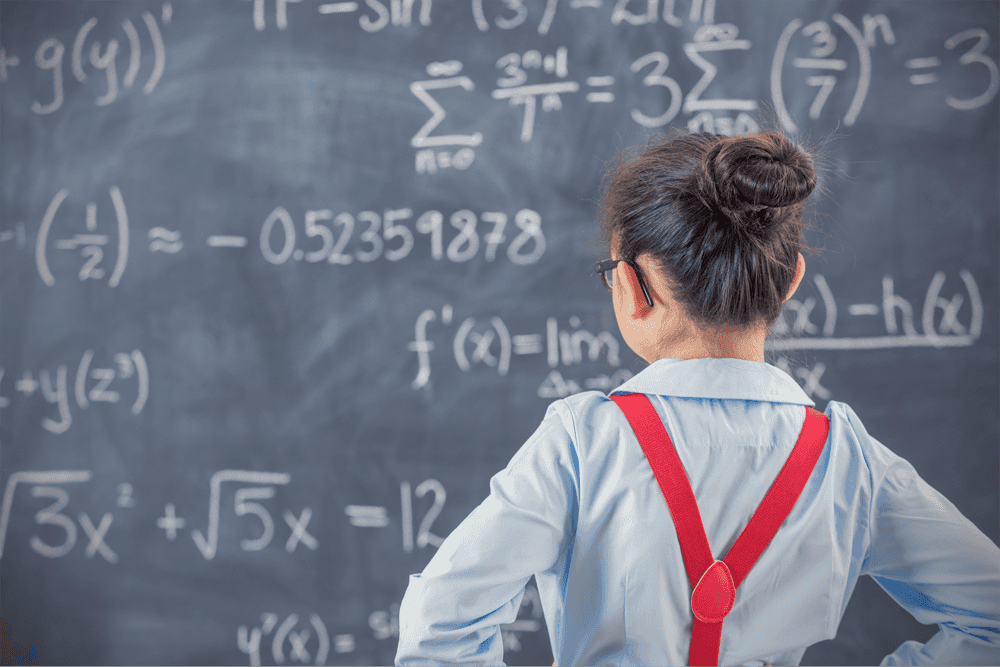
x=285 y=283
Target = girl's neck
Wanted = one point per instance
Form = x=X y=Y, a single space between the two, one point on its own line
x=692 y=343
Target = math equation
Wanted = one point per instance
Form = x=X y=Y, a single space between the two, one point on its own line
x=285 y=280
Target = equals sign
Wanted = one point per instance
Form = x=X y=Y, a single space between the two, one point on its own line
x=600 y=82
x=367 y=516
x=920 y=63
x=527 y=344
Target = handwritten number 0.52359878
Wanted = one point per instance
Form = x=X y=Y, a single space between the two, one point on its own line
x=388 y=236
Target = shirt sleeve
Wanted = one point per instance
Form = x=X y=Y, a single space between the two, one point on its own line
x=934 y=562
x=452 y=611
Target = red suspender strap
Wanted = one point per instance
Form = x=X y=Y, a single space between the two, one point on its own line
x=714 y=582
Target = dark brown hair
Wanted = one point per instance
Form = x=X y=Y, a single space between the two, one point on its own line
x=720 y=216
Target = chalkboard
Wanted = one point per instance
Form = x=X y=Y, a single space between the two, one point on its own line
x=285 y=283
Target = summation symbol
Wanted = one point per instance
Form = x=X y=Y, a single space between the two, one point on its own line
x=429 y=161
x=721 y=37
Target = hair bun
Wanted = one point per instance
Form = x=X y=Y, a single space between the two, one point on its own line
x=745 y=175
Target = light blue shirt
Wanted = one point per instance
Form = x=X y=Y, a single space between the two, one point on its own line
x=578 y=507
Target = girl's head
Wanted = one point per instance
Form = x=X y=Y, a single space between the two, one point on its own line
x=715 y=225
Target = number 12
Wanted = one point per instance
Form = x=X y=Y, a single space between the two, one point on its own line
x=424 y=534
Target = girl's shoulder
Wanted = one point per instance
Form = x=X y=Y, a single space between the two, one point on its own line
x=847 y=431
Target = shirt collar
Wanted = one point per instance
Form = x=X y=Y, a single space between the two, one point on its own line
x=717 y=378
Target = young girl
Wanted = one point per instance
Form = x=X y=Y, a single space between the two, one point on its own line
x=705 y=234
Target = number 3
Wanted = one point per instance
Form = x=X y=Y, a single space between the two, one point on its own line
x=975 y=55
x=51 y=516
x=656 y=78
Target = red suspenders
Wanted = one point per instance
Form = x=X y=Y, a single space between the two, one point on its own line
x=714 y=582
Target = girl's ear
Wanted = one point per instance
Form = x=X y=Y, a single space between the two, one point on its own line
x=637 y=299
x=800 y=271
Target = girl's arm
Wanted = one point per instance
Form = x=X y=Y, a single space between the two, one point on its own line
x=937 y=565
x=452 y=611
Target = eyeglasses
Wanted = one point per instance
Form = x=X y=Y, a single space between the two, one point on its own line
x=606 y=269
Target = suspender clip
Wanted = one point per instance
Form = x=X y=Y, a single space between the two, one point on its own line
x=714 y=595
